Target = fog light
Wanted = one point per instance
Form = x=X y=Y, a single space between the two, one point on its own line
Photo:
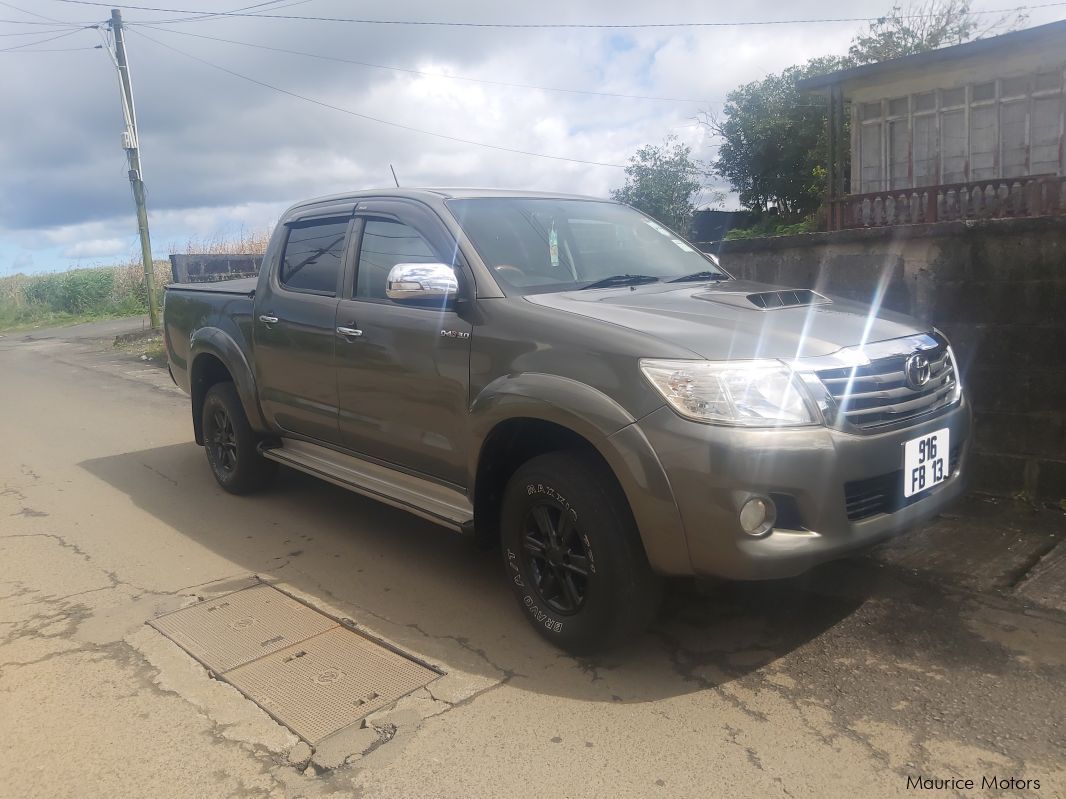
x=757 y=516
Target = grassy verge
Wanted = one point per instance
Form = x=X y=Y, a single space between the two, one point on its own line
x=80 y=295
x=18 y=319
x=106 y=292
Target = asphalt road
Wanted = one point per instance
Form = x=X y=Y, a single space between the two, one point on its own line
x=846 y=682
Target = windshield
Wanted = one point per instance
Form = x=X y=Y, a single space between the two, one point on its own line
x=539 y=245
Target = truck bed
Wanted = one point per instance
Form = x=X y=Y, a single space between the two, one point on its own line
x=220 y=309
x=243 y=285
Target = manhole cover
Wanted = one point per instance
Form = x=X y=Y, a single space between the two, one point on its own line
x=306 y=670
x=238 y=628
x=328 y=682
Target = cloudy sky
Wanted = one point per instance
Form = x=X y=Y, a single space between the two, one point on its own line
x=222 y=153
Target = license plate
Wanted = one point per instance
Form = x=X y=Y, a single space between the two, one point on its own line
x=925 y=462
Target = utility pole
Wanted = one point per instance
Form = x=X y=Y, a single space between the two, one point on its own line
x=131 y=145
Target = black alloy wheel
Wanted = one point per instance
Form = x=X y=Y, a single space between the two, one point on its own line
x=556 y=556
x=573 y=554
x=222 y=441
x=231 y=444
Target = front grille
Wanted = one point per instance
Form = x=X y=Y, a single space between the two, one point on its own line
x=877 y=394
x=884 y=493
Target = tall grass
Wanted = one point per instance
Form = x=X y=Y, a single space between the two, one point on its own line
x=34 y=300
x=244 y=243
x=105 y=291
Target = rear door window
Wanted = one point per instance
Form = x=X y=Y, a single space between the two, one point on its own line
x=314 y=256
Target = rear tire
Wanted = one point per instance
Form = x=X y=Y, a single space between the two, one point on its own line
x=573 y=553
x=231 y=444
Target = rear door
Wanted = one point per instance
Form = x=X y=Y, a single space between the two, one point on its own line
x=403 y=380
x=295 y=321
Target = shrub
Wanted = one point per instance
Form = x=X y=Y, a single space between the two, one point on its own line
x=772 y=227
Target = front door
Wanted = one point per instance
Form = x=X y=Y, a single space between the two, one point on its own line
x=402 y=381
x=295 y=329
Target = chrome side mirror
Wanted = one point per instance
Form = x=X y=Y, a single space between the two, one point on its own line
x=432 y=283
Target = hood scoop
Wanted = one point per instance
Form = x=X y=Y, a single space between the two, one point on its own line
x=766 y=300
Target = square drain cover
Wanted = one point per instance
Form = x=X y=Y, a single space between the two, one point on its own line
x=240 y=627
x=310 y=673
x=328 y=682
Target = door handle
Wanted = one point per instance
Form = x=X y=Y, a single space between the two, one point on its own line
x=350 y=332
x=268 y=319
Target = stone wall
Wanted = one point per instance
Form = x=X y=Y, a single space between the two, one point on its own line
x=996 y=288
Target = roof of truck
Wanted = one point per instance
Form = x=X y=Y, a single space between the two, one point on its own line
x=443 y=193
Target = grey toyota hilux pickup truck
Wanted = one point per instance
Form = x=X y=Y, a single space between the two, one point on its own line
x=568 y=378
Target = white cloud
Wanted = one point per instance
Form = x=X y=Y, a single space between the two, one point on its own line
x=220 y=152
x=95 y=248
x=23 y=262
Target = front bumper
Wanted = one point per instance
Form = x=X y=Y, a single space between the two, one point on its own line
x=712 y=470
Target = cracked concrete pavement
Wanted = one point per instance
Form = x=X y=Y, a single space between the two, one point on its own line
x=844 y=682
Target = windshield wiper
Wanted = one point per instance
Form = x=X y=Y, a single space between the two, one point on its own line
x=704 y=275
x=621 y=280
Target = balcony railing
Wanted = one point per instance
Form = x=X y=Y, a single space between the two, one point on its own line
x=1036 y=195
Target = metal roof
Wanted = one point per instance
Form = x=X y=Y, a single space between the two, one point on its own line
x=980 y=47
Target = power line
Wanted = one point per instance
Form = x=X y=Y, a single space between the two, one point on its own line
x=35 y=22
x=369 y=118
x=527 y=25
x=31 y=13
x=213 y=14
x=60 y=49
x=419 y=72
x=40 y=32
x=41 y=41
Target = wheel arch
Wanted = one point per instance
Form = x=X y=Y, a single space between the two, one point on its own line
x=216 y=357
x=519 y=417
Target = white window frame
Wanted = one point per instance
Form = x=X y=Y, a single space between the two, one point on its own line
x=859 y=121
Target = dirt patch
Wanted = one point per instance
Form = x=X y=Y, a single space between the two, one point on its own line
x=148 y=344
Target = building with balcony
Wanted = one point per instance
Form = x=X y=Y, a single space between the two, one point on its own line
x=966 y=132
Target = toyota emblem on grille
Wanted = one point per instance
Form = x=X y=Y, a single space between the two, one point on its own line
x=916 y=371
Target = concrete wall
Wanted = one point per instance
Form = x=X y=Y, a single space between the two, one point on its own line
x=996 y=288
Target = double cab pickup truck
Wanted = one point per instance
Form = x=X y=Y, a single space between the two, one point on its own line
x=568 y=379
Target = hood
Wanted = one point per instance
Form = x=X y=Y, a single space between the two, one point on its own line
x=718 y=322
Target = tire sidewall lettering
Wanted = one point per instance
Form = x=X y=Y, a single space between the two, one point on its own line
x=512 y=564
x=540 y=616
x=528 y=601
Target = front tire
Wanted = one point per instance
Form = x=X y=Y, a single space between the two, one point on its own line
x=231 y=443
x=573 y=553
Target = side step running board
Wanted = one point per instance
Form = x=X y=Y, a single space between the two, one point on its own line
x=440 y=504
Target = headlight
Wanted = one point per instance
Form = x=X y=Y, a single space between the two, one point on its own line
x=749 y=393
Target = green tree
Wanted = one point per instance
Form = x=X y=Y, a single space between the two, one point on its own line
x=663 y=182
x=926 y=26
x=774 y=141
